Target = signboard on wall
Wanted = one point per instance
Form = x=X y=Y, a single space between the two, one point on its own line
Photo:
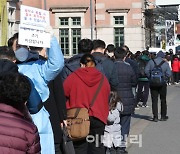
x=32 y=26
x=167 y=2
x=170 y=35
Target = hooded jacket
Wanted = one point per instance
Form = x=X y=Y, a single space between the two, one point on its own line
x=165 y=67
x=80 y=87
x=175 y=65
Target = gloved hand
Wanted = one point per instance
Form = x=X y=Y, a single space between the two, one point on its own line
x=49 y=30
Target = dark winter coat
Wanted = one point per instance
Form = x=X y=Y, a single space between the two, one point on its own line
x=56 y=106
x=8 y=66
x=134 y=66
x=126 y=80
x=108 y=68
x=18 y=135
x=71 y=65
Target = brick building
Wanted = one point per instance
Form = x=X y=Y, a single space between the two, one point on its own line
x=115 y=21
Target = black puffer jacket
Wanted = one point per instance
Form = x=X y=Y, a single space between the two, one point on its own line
x=127 y=79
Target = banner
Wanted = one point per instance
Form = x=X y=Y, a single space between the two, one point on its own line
x=4 y=22
x=170 y=35
x=33 y=22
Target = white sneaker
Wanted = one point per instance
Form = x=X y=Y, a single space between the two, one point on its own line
x=145 y=106
x=136 y=108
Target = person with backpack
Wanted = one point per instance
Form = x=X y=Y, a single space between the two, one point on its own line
x=143 y=82
x=158 y=71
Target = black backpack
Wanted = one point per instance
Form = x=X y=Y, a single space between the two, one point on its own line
x=141 y=66
x=156 y=77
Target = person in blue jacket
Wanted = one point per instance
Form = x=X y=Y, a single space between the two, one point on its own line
x=40 y=72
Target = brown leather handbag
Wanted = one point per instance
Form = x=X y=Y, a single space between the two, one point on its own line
x=78 y=123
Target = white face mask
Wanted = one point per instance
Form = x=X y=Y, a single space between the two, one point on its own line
x=110 y=54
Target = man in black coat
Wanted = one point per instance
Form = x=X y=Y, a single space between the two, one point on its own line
x=126 y=80
x=106 y=63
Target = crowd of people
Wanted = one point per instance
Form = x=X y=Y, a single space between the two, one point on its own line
x=39 y=86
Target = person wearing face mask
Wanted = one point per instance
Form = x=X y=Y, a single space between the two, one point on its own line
x=40 y=73
x=109 y=51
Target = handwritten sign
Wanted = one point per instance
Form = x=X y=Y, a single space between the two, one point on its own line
x=32 y=26
x=34 y=16
x=33 y=36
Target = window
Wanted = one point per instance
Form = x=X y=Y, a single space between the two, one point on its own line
x=76 y=21
x=64 y=21
x=76 y=36
x=70 y=35
x=118 y=30
x=119 y=20
x=118 y=36
x=64 y=37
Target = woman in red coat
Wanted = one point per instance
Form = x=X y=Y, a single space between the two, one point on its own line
x=79 y=88
x=175 y=69
x=18 y=134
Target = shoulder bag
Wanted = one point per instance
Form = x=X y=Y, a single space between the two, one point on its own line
x=78 y=123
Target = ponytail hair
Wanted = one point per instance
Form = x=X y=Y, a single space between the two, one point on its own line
x=113 y=100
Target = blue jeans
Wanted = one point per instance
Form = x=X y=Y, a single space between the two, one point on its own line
x=125 y=128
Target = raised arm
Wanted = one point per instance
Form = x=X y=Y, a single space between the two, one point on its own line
x=55 y=62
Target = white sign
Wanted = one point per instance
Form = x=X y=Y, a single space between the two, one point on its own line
x=32 y=27
x=33 y=36
x=34 y=16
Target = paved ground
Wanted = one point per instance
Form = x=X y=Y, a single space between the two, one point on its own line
x=162 y=137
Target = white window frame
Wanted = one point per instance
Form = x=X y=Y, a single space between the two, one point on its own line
x=70 y=26
x=112 y=22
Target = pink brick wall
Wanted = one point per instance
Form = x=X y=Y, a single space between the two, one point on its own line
x=109 y=4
